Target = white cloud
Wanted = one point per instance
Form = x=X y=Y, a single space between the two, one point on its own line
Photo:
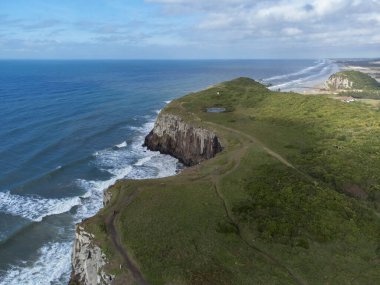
x=292 y=31
x=234 y=28
x=266 y=19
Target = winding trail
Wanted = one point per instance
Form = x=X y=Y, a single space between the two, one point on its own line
x=269 y=151
x=216 y=182
x=136 y=273
x=230 y=217
x=110 y=224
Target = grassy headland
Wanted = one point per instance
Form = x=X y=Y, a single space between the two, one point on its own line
x=294 y=198
x=361 y=85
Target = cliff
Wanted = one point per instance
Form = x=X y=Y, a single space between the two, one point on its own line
x=185 y=229
x=352 y=80
x=172 y=135
x=88 y=261
x=337 y=82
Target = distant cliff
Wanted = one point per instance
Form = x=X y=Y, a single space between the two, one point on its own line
x=352 y=80
x=337 y=82
x=172 y=135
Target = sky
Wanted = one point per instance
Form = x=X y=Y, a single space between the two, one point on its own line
x=189 y=29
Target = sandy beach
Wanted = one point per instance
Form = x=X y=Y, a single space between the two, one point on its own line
x=371 y=67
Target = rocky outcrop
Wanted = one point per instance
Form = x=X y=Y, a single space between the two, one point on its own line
x=88 y=261
x=338 y=82
x=172 y=135
x=107 y=196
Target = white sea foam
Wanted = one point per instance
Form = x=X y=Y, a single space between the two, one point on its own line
x=121 y=145
x=165 y=166
x=303 y=71
x=120 y=163
x=325 y=71
x=93 y=200
x=143 y=160
x=52 y=267
x=35 y=208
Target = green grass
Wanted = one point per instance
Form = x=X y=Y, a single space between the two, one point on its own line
x=320 y=221
x=361 y=81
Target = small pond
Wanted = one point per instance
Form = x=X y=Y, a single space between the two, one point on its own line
x=216 y=110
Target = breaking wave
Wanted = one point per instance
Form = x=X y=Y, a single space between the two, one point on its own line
x=126 y=161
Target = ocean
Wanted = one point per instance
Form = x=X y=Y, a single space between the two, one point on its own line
x=70 y=129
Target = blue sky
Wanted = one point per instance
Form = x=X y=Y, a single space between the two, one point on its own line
x=169 y=29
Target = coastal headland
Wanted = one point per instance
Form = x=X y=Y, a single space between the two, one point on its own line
x=283 y=189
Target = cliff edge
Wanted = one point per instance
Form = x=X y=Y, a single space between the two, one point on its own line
x=172 y=135
x=88 y=261
x=271 y=207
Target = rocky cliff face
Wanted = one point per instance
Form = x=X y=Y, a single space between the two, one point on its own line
x=88 y=261
x=339 y=82
x=171 y=135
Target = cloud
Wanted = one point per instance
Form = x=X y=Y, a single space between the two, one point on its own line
x=222 y=28
x=39 y=25
x=264 y=19
x=292 y=31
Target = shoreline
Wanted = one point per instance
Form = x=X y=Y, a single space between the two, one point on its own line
x=369 y=67
x=317 y=88
x=108 y=196
x=175 y=210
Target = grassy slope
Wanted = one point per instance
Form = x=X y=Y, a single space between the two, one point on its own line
x=245 y=217
x=364 y=85
x=360 y=80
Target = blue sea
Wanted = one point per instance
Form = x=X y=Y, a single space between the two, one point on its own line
x=70 y=129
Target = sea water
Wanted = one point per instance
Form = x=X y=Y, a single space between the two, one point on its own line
x=70 y=129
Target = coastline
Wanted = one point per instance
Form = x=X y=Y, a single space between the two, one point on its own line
x=369 y=67
x=199 y=205
x=154 y=141
x=107 y=149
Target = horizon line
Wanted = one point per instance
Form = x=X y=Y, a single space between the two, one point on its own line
x=183 y=59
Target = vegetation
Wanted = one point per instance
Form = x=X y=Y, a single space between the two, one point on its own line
x=294 y=198
x=360 y=80
x=363 y=94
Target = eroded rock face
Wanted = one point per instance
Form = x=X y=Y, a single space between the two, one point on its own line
x=339 y=82
x=88 y=261
x=107 y=196
x=171 y=135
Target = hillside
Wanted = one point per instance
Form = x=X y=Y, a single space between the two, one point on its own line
x=352 y=80
x=354 y=83
x=293 y=197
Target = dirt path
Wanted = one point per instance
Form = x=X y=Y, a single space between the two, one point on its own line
x=110 y=224
x=257 y=142
x=269 y=151
x=137 y=275
x=230 y=217
x=247 y=136
x=216 y=181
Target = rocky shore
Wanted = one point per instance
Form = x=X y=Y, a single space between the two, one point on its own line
x=170 y=135
x=88 y=261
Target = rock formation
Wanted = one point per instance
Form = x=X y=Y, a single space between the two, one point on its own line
x=338 y=82
x=172 y=135
x=88 y=261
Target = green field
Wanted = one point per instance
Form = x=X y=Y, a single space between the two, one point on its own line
x=294 y=198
